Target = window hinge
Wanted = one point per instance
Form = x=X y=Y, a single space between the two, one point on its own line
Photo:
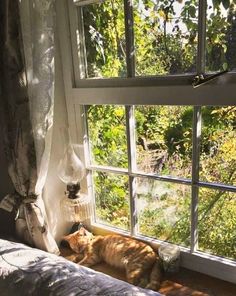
x=201 y=79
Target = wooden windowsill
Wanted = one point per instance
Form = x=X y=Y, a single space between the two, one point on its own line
x=183 y=283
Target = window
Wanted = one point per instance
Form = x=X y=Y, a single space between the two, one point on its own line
x=153 y=158
x=148 y=81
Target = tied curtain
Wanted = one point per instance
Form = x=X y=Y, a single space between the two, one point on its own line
x=26 y=103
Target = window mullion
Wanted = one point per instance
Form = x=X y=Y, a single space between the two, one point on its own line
x=195 y=176
x=197 y=126
x=131 y=148
x=76 y=34
x=80 y=38
x=129 y=37
x=201 y=54
x=88 y=161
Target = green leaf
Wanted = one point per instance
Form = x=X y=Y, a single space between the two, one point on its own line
x=226 y=3
x=216 y=3
x=192 y=11
x=225 y=66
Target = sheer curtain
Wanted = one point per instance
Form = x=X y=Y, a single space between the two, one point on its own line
x=27 y=98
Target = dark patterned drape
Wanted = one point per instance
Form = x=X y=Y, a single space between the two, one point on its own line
x=26 y=101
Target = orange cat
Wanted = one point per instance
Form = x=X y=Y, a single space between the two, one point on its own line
x=137 y=258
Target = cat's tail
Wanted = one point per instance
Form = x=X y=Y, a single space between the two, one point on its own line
x=155 y=276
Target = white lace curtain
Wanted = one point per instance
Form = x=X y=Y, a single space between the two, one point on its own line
x=27 y=97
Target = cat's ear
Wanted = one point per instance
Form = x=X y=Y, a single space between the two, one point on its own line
x=88 y=234
x=66 y=237
x=66 y=240
x=82 y=231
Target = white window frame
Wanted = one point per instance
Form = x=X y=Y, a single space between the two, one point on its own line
x=170 y=90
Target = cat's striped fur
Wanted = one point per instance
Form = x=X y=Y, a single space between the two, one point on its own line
x=138 y=259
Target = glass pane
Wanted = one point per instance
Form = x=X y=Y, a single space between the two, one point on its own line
x=165 y=36
x=104 y=33
x=164 y=210
x=216 y=224
x=164 y=139
x=221 y=36
x=218 y=145
x=112 y=199
x=107 y=135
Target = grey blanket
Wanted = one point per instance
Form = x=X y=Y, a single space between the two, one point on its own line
x=28 y=271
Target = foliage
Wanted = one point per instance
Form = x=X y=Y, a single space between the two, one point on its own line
x=217 y=222
x=166 y=132
x=112 y=202
x=164 y=211
x=108 y=136
x=104 y=38
x=218 y=153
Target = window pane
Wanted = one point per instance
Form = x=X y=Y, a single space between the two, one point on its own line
x=112 y=199
x=221 y=36
x=165 y=36
x=164 y=139
x=164 y=210
x=104 y=33
x=107 y=135
x=217 y=220
x=218 y=145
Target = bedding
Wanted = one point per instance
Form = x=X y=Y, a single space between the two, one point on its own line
x=29 y=271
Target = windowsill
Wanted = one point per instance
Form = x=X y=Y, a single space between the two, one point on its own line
x=217 y=267
x=184 y=283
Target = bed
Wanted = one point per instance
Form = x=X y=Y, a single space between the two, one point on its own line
x=29 y=271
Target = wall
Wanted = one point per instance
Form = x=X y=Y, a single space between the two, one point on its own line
x=6 y=219
x=6 y=185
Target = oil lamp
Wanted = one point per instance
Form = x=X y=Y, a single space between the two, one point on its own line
x=76 y=206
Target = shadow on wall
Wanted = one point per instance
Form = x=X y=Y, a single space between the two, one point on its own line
x=6 y=219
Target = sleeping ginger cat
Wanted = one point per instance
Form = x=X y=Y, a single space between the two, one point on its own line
x=137 y=258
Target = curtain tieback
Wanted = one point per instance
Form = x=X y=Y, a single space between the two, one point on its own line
x=29 y=199
x=13 y=201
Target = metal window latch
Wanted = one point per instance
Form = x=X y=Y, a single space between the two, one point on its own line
x=200 y=79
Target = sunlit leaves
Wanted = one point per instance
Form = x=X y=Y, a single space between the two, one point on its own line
x=225 y=3
x=107 y=135
x=164 y=135
x=163 y=211
x=165 y=37
x=218 y=145
x=112 y=201
x=104 y=38
x=169 y=48
x=217 y=220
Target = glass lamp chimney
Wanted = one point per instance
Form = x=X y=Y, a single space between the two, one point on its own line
x=71 y=171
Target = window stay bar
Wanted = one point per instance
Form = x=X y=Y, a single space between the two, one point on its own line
x=201 y=79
